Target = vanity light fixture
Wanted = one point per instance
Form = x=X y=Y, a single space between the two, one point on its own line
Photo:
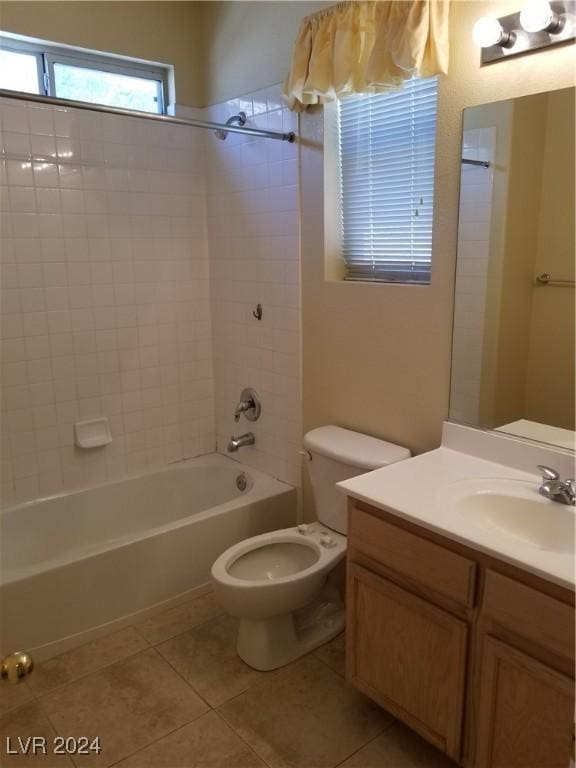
x=539 y=24
x=488 y=32
x=538 y=16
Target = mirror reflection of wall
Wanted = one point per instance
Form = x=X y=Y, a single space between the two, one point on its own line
x=513 y=354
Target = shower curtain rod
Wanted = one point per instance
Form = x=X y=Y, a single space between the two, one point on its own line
x=480 y=163
x=165 y=119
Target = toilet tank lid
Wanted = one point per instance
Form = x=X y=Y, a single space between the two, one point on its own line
x=353 y=448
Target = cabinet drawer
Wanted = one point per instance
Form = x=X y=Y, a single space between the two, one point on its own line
x=529 y=613
x=414 y=558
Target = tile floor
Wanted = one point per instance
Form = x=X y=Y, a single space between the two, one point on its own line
x=171 y=693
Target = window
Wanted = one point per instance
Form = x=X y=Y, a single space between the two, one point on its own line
x=20 y=71
x=386 y=146
x=80 y=76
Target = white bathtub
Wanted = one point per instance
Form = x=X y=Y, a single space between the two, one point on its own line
x=76 y=565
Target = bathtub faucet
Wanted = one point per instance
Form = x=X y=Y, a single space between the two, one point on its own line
x=240 y=441
x=249 y=405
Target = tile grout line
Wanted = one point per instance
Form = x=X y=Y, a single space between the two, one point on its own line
x=179 y=674
x=34 y=700
x=242 y=739
x=37 y=697
x=154 y=646
x=237 y=695
x=54 y=728
x=314 y=654
x=40 y=696
x=188 y=629
x=124 y=757
x=155 y=741
x=311 y=654
x=387 y=727
x=215 y=709
x=37 y=702
x=272 y=672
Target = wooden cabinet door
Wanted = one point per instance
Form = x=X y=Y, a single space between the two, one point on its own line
x=407 y=655
x=525 y=717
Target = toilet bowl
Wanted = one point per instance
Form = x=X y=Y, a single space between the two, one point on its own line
x=265 y=581
x=276 y=583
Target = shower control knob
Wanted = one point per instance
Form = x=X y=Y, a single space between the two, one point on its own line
x=304 y=529
x=327 y=541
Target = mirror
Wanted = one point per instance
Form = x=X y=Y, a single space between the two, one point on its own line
x=513 y=357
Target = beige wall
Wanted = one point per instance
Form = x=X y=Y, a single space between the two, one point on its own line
x=166 y=32
x=377 y=358
x=550 y=365
x=248 y=45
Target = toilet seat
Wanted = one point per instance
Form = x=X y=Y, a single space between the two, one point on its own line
x=326 y=556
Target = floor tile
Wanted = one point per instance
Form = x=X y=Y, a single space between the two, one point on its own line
x=304 y=716
x=87 y=658
x=13 y=696
x=26 y=722
x=128 y=705
x=398 y=747
x=334 y=654
x=206 y=743
x=206 y=658
x=179 y=619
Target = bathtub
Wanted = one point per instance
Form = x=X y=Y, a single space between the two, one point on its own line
x=77 y=565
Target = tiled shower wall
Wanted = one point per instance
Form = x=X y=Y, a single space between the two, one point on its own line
x=472 y=271
x=254 y=259
x=104 y=296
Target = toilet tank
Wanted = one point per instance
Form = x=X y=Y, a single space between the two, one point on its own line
x=337 y=454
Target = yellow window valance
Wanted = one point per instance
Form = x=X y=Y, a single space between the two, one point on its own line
x=366 y=47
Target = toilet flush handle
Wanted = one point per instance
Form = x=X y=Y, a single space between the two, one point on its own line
x=306 y=453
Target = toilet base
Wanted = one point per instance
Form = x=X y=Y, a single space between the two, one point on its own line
x=267 y=644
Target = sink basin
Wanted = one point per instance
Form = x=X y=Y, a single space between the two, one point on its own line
x=515 y=509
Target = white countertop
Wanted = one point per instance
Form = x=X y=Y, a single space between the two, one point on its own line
x=412 y=490
x=565 y=438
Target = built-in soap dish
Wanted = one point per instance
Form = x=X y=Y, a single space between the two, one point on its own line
x=93 y=433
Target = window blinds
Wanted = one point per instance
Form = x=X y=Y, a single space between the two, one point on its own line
x=387 y=144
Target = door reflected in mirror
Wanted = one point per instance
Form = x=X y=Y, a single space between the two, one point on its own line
x=513 y=362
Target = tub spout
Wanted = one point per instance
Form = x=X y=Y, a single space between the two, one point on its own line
x=240 y=442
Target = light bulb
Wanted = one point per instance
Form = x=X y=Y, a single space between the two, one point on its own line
x=537 y=15
x=487 y=32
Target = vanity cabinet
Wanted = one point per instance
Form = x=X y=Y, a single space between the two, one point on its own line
x=470 y=652
x=525 y=713
x=409 y=655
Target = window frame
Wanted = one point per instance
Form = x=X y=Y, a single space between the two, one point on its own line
x=48 y=55
x=15 y=46
x=336 y=267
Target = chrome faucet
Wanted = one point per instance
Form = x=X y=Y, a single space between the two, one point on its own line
x=556 y=489
x=249 y=405
x=240 y=442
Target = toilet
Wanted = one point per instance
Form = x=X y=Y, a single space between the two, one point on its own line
x=276 y=583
